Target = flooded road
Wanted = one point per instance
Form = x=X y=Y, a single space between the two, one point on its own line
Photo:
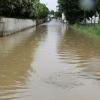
x=49 y=62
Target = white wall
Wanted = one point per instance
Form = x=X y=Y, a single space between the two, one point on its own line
x=93 y=20
x=12 y=25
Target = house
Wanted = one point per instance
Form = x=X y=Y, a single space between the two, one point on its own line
x=93 y=20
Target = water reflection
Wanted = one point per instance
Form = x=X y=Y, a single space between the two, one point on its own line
x=16 y=55
x=49 y=62
x=80 y=50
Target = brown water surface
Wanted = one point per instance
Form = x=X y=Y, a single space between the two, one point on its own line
x=49 y=62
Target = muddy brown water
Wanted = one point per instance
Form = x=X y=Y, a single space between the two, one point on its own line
x=49 y=62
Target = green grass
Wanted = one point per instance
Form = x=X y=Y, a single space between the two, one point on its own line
x=88 y=29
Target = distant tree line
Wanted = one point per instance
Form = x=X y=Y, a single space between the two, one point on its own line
x=23 y=9
x=74 y=12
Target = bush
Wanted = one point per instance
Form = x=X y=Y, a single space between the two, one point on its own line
x=22 y=9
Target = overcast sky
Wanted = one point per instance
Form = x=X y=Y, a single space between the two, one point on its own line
x=50 y=3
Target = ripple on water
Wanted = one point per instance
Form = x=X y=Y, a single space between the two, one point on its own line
x=12 y=92
x=66 y=80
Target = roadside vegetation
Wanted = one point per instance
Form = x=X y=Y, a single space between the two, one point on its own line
x=23 y=9
x=76 y=13
x=87 y=29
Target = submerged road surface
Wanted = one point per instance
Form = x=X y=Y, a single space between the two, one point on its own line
x=49 y=62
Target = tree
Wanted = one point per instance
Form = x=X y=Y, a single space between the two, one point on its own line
x=52 y=12
x=58 y=14
x=22 y=8
x=16 y=8
x=41 y=11
x=74 y=12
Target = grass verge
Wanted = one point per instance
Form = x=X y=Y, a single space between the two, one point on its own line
x=90 y=30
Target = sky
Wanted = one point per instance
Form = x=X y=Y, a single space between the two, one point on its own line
x=51 y=4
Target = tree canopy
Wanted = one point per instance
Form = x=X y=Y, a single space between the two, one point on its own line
x=23 y=8
x=74 y=12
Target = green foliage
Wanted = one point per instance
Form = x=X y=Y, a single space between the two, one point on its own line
x=41 y=11
x=72 y=10
x=97 y=7
x=58 y=14
x=23 y=9
x=52 y=12
x=16 y=8
x=61 y=5
x=74 y=13
x=88 y=29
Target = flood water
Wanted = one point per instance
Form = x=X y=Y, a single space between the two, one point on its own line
x=49 y=62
